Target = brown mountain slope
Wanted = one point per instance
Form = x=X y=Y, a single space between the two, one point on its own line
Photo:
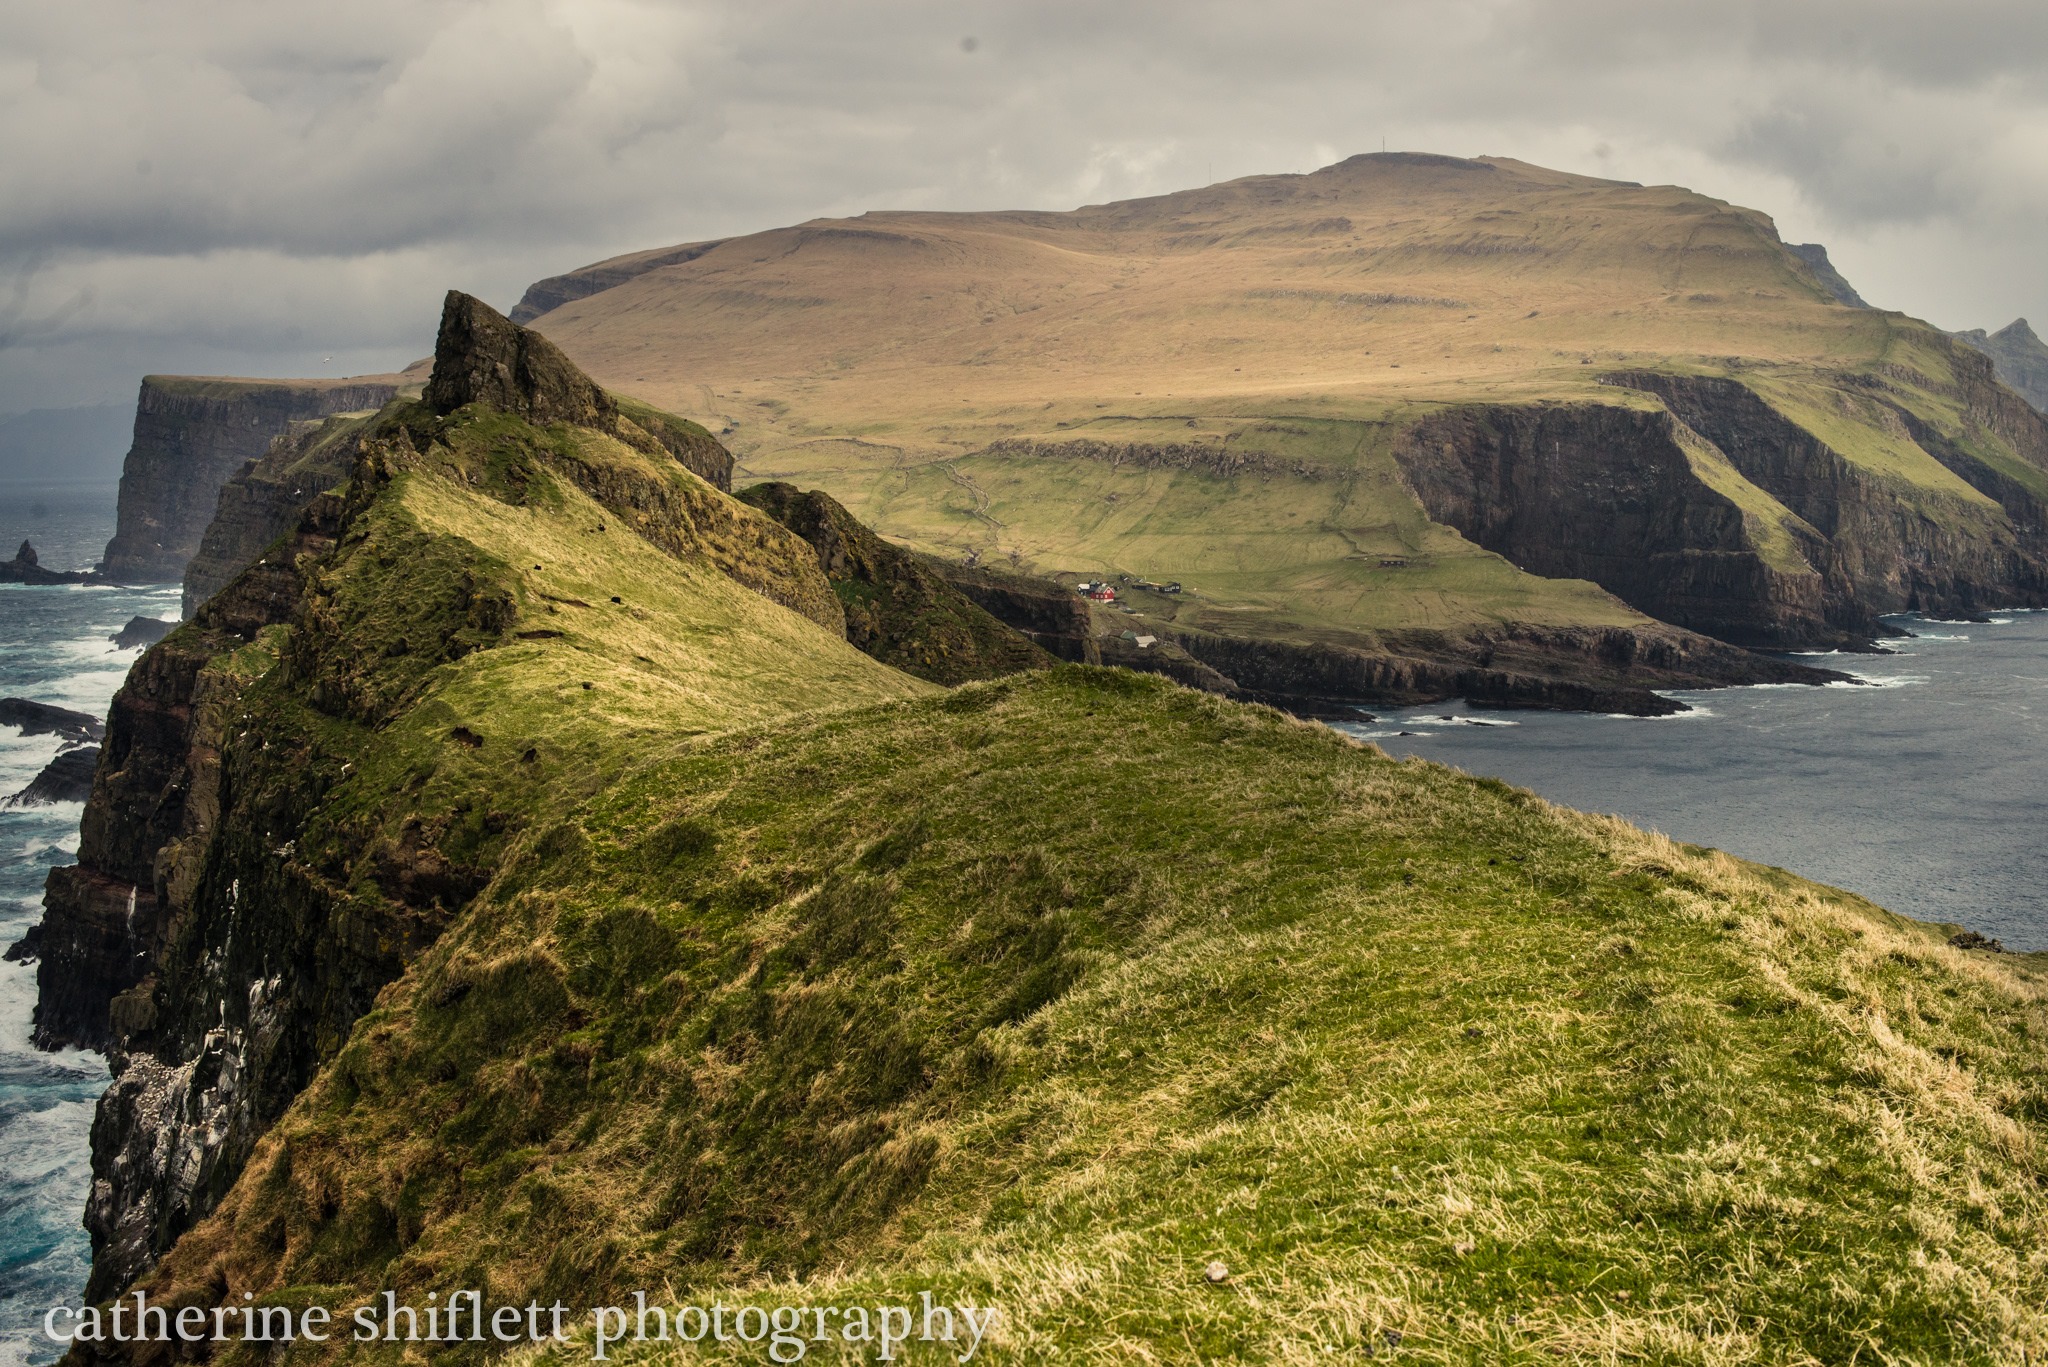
x=1314 y=400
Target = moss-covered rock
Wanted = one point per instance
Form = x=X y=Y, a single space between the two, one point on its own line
x=898 y=608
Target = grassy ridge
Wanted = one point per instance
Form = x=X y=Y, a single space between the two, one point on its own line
x=1050 y=990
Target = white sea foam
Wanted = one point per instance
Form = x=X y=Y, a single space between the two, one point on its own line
x=17 y=1012
x=89 y=690
x=23 y=757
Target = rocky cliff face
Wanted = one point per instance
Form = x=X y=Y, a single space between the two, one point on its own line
x=1586 y=491
x=1821 y=550
x=156 y=789
x=191 y=435
x=262 y=501
x=2020 y=356
x=1878 y=552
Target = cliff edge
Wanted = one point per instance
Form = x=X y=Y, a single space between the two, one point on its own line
x=191 y=434
x=259 y=856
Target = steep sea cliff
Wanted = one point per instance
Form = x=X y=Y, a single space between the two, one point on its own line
x=191 y=434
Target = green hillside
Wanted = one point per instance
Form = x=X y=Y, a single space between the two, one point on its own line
x=1224 y=386
x=1047 y=993
x=788 y=979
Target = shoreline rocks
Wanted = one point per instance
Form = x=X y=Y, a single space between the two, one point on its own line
x=45 y=719
x=26 y=568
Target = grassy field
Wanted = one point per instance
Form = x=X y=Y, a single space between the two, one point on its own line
x=793 y=980
x=1301 y=548
x=1046 y=993
x=882 y=357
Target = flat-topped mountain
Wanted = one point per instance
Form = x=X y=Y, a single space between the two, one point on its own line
x=1405 y=407
x=192 y=433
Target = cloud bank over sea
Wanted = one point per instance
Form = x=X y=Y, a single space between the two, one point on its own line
x=287 y=188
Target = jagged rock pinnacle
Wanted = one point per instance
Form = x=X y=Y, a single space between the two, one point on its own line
x=481 y=356
x=26 y=555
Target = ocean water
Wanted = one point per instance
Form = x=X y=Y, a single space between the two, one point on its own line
x=53 y=648
x=1925 y=790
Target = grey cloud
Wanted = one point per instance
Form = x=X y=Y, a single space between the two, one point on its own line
x=239 y=185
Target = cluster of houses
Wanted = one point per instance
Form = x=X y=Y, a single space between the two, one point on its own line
x=1102 y=591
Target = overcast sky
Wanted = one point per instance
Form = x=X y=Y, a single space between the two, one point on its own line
x=285 y=188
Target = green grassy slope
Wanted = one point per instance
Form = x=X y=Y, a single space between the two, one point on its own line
x=1295 y=547
x=582 y=633
x=1049 y=991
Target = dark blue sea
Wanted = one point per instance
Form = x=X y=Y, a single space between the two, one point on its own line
x=53 y=648
x=1925 y=790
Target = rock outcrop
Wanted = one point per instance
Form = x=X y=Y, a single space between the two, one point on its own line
x=46 y=719
x=2021 y=358
x=142 y=631
x=67 y=778
x=898 y=609
x=483 y=357
x=191 y=434
x=26 y=568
